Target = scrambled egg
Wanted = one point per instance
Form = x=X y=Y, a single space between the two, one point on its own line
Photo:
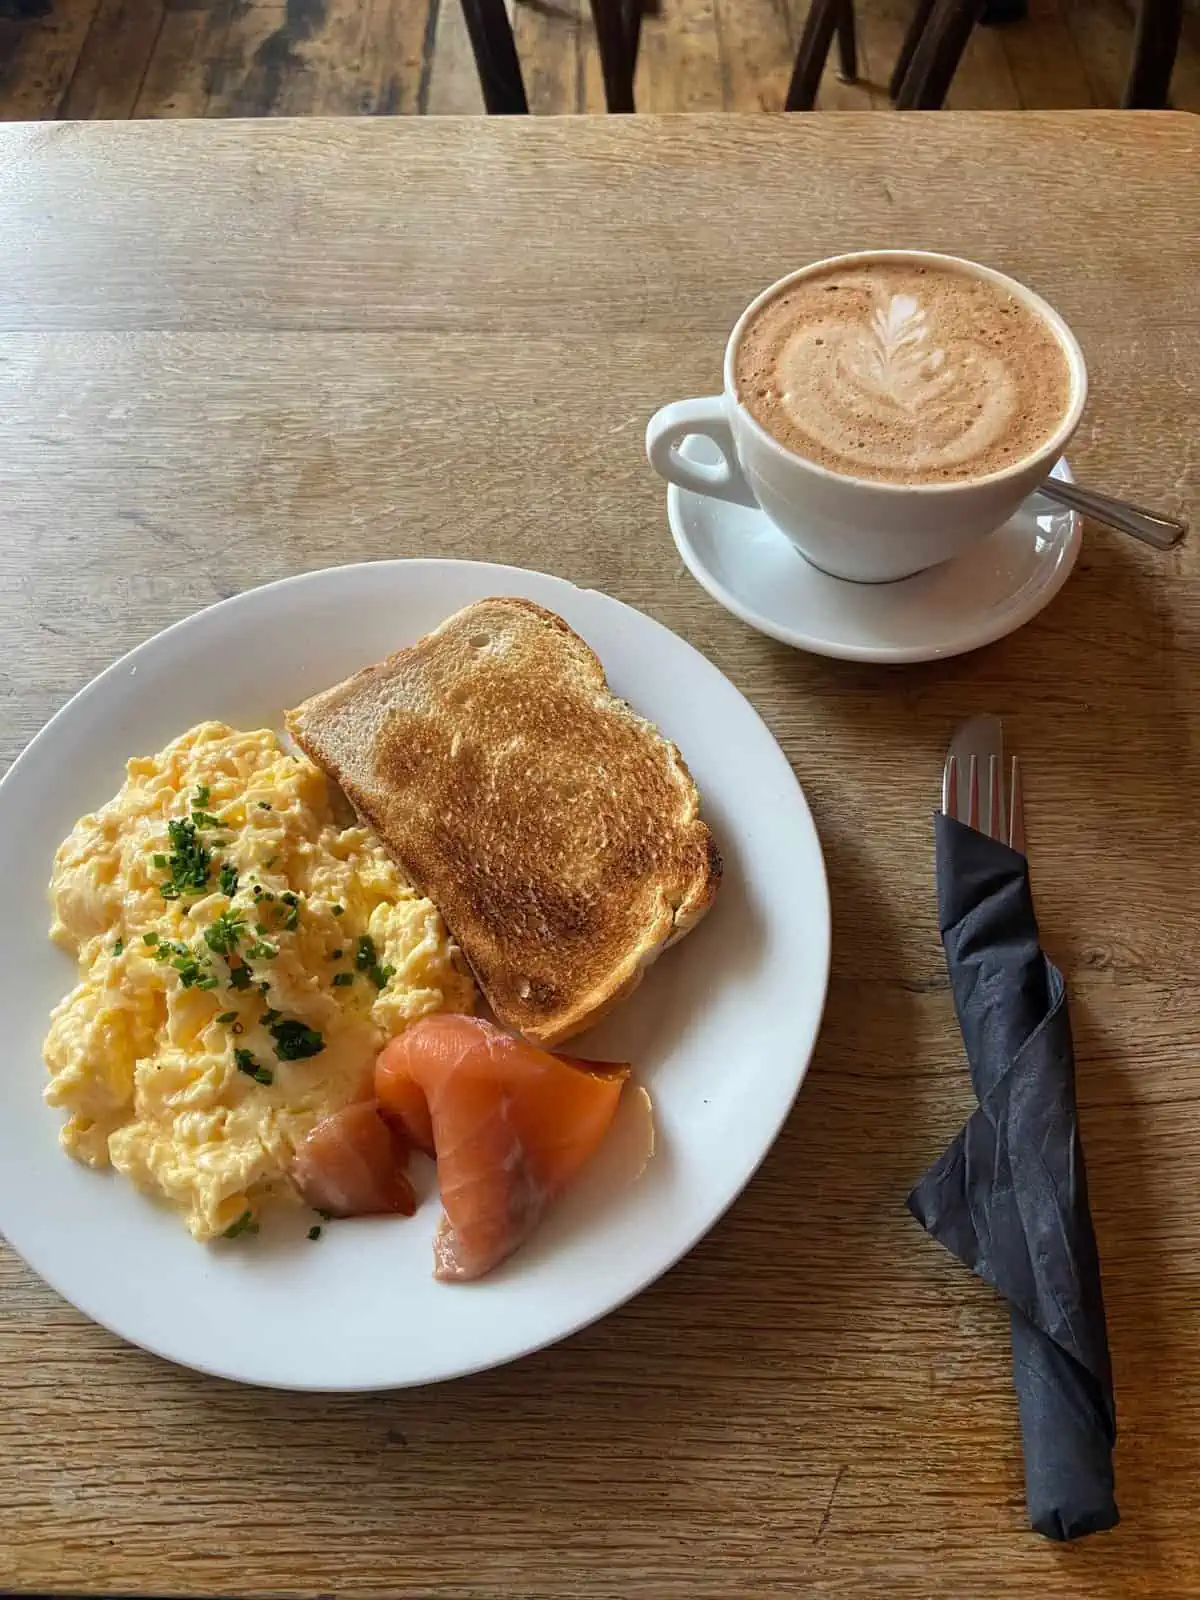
x=242 y=958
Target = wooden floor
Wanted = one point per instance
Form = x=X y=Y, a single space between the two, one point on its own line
x=167 y=58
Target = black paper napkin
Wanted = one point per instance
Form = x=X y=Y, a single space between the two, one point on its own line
x=1009 y=1195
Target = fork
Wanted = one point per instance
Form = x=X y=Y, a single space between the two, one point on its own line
x=993 y=823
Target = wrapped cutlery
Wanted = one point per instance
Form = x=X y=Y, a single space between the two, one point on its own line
x=1009 y=1197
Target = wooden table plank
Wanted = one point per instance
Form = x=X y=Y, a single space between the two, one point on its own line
x=260 y=348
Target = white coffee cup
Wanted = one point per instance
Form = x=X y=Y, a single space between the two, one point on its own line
x=856 y=528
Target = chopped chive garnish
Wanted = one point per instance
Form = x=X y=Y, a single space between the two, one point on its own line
x=222 y=934
x=261 y=950
x=191 y=973
x=292 y=921
x=261 y=927
x=228 y=880
x=188 y=863
x=118 y=947
x=160 y=861
x=270 y=1015
x=295 y=1040
x=364 y=952
x=202 y=796
x=341 y=979
x=244 y=1224
x=150 y=938
x=205 y=819
x=245 y=1061
x=264 y=805
x=228 y=1016
x=315 y=1231
x=264 y=1075
x=380 y=974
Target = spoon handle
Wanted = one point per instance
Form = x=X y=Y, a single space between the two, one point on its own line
x=1148 y=526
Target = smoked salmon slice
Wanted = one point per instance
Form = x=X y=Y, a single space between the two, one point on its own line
x=352 y=1165
x=510 y=1125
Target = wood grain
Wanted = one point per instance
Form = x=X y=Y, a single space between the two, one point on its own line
x=114 y=59
x=184 y=59
x=452 y=88
x=1046 y=65
x=548 y=36
x=40 y=56
x=233 y=351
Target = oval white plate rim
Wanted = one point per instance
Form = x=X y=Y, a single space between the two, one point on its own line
x=883 y=655
x=819 y=930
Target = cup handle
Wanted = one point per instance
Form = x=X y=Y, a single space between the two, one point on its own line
x=667 y=430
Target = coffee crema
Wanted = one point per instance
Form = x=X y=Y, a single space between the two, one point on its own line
x=903 y=372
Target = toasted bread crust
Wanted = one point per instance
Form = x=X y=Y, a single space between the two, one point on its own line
x=557 y=831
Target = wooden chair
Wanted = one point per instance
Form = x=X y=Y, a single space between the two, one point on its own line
x=618 y=26
x=938 y=34
x=496 y=59
x=825 y=18
x=618 y=32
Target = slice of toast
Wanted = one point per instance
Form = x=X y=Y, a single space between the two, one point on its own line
x=557 y=831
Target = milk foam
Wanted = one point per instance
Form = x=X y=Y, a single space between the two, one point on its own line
x=903 y=373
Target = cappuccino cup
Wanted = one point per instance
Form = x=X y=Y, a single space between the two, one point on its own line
x=887 y=410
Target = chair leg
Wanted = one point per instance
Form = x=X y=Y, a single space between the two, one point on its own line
x=937 y=55
x=496 y=58
x=847 y=42
x=617 y=58
x=633 y=11
x=1155 y=41
x=812 y=55
x=908 y=49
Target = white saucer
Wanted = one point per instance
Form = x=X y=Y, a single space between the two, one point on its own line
x=742 y=560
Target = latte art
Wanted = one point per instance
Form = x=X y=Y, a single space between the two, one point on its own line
x=893 y=354
x=903 y=373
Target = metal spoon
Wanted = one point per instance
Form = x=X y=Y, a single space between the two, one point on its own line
x=1148 y=526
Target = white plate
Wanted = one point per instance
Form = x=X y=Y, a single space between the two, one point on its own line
x=720 y=1032
x=738 y=555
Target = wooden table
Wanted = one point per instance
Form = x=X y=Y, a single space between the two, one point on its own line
x=233 y=352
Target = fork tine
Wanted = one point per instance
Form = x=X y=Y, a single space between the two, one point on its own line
x=973 y=795
x=995 y=801
x=950 y=788
x=1016 y=809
